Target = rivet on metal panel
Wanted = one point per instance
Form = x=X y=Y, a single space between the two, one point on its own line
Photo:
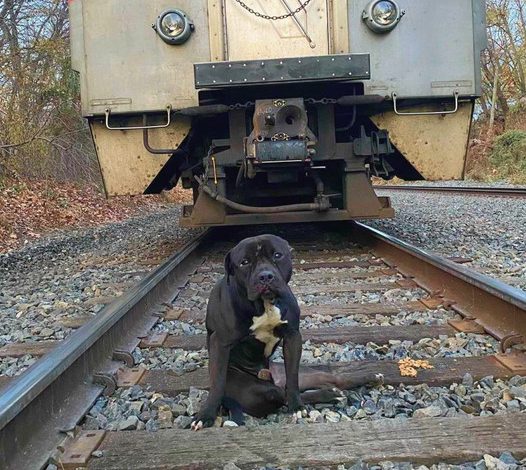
x=510 y=340
x=515 y=362
x=80 y=450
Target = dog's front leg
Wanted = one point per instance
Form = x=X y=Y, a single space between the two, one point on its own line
x=292 y=354
x=218 y=355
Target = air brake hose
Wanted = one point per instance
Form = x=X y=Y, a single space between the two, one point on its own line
x=321 y=206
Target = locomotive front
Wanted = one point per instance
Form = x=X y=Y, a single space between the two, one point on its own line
x=277 y=110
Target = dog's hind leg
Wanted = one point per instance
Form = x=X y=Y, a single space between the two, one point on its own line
x=310 y=378
x=235 y=410
x=322 y=395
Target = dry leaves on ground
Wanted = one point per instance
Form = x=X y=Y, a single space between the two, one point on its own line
x=29 y=209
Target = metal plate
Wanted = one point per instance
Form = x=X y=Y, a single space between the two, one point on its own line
x=250 y=72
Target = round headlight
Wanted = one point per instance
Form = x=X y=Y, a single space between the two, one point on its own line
x=174 y=27
x=172 y=24
x=382 y=16
x=385 y=13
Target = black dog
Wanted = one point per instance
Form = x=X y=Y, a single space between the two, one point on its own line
x=250 y=311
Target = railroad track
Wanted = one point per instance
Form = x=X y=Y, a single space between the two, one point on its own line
x=367 y=300
x=470 y=190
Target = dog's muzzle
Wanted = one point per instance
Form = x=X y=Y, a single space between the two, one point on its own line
x=265 y=284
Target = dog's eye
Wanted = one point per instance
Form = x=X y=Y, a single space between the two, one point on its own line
x=245 y=262
x=278 y=255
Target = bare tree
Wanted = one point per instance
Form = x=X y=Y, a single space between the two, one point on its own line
x=41 y=131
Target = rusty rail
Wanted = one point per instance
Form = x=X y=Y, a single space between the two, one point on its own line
x=498 y=307
x=50 y=398
x=470 y=190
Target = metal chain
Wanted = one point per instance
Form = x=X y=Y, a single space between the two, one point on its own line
x=251 y=104
x=273 y=18
x=320 y=101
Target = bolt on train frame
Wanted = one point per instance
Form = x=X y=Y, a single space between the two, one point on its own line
x=277 y=110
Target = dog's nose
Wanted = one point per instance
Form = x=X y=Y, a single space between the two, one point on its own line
x=266 y=276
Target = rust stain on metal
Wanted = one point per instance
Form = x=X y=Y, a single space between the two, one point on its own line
x=516 y=362
x=510 y=340
x=467 y=326
x=156 y=340
x=175 y=314
x=78 y=453
x=406 y=283
x=432 y=303
x=129 y=377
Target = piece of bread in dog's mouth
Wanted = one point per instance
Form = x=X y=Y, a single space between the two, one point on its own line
x=263 y=326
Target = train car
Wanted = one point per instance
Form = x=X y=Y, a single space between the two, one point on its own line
x=277 y=110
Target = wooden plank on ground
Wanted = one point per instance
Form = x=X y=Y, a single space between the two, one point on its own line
x=359 y=263
x=299 y=266
x=417 y=440
x=75 y=322
x=339 y=275
x=445 y=372
x=353 y=334
x=340 y=310
x=302 y=255
x=334 y=310
x=344 y=288
x=33 y=348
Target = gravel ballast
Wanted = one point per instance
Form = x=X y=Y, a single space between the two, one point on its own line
x=72 y=274
x=488 y=230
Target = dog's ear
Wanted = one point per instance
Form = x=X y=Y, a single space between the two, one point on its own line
x=228 y=265
x=289 y=271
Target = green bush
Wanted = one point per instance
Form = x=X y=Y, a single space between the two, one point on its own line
x=509 y=156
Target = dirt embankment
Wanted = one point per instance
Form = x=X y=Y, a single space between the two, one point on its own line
x=30 y=209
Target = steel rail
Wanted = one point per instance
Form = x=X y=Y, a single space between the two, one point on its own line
x=50 y=398
x=54 y=394
x=471 y=190
x=497 y=306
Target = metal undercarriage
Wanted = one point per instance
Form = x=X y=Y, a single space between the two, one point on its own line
x=287 y=158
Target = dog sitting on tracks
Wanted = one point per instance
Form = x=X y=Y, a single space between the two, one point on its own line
x=250 y=311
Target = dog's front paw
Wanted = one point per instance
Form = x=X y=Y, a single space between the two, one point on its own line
x=294 y=402
x=203 y=419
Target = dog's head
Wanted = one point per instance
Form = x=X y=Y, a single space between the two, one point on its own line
x=260 y=265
